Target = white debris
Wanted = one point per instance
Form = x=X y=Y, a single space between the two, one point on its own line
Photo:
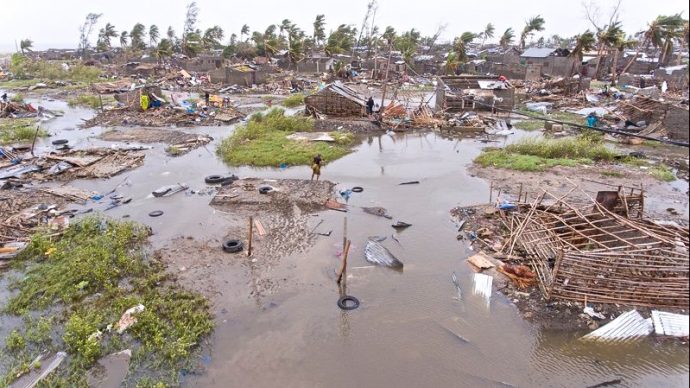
x=590 y=311
x=482 y=285
x=675 y=325
x=128 y=318
x=628 y=326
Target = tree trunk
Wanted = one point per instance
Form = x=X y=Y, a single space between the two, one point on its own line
x=599 y=56
x=634 y=58
x=613 y=68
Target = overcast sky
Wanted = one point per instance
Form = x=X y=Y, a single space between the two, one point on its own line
x=55 y=23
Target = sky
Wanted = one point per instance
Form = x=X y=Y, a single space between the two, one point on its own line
x=55 y=23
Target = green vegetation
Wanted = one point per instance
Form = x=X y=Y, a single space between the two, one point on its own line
x=173 y=151
x=529 y=125
x=88 y=100
x=18 y=98
x=82 y=283
x=18 y=130
x=663 y=173
x=24 y=67
x=533 y=154
x=262 y=142
x=535 y=117
x=293 y=100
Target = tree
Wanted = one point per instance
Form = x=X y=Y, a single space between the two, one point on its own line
x=244 y=31
x=136 y=37
x=319 y=29
x=341 y=40
x=85 y=31
x=164 y=49
x=620 y=44
x=431 y=41
x=170 y=33
x=451 y=63
x=460 y=45
x=583 y=43
x=407 y=44
x=189 y=32
x=212 y=37
x=104 y=36
x=124 y=35
x=389 y=35
x=154 y=34
x=507 y=38
x=295 y=42
x=26 y=45
x=606 y=38
x=535 y=23
x=487 y=33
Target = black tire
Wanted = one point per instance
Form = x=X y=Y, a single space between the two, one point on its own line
x=233 y=246
x=60 y=142
x=156 y=213
x=214 y=179
x=265 y=189
x=357 y=189
x=345 y=306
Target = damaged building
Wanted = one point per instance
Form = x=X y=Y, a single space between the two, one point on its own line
x=470 y=92
x=338 y=100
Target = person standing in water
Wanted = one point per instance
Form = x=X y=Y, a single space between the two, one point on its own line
x=316 y=167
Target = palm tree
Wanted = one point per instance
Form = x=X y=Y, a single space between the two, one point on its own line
x=620 y=44
x=674 y=31
x=533 y=24
x=583 y=43
x=507 y=38
x=607 y=38
x=154 y=34
x=212 y=37
x=137 y=36
x=26 y=45
x=451 y=63
x=653 y=35
x=164 y=49
x=460 y=45
x=244 y=31
x=487 y=33
x=124 y=35
x=170 y=33
x=319 y=29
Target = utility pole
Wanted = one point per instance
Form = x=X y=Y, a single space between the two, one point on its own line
x=385 y=82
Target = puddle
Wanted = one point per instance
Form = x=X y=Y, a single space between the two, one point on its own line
x=406 y=330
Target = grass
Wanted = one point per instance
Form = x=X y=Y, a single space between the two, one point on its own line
x=18 y=130
x=529 y=125
x=663 y=173
x=18 y=98
x=612 y=174
x=88 y=100
x=568 y=117
x=293 y=100
x=81 y=283
x=262 y=142
x=532 y=154
x=173 y=151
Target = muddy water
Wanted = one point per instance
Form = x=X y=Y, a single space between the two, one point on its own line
x=410 y=329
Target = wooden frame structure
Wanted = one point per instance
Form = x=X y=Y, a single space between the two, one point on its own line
x=599 y=254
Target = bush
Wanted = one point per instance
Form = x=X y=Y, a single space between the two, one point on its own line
x=15 y=342
x=294 y=100
x=569 y=148
x=88 y=100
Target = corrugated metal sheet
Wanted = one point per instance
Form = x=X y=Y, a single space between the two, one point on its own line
x=536 y=52
x=628 y=326
x=482 y=285
x=676 y=325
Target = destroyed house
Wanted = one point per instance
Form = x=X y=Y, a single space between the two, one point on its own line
x=472 y=92
x=553 y=61
x=338 y=100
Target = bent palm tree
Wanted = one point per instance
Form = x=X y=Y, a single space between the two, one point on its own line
x=533 y=24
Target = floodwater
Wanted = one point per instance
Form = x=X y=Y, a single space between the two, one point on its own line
x=410 y=330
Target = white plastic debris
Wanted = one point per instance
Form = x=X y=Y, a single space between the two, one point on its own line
x=627 y=327
x=675 y=325
x=590 y=311
x=128 y=318
x=482 y=286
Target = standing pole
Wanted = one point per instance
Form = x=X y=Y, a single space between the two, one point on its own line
x=251 y=230
x=100 y=98
x=33 y=143
x=385 y=82
x=520 y=194
x=343 y=265
x=344 y=233
x=491 y=191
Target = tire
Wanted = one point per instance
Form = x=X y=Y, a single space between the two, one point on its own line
x=233 y=246
x=60 y=142
x=357 y=189
x=265 y=189
x=214 y=179
x=344 y=306
x=156 y=213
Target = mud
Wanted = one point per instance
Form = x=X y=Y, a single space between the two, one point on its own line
x=179 y=142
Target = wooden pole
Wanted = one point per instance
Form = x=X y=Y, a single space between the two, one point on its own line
x=385 y=81
x=491 y=191
x=33 y=143
x=344 y=233
x=343 y=265
x=520 y=194
x=251 y=233
x=100 y=98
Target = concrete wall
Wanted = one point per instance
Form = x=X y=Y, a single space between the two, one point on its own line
x=554 y=66
x=676 y=123
x=511 y=71
x=231 y=76
x=678 y=80
x=533 y=72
